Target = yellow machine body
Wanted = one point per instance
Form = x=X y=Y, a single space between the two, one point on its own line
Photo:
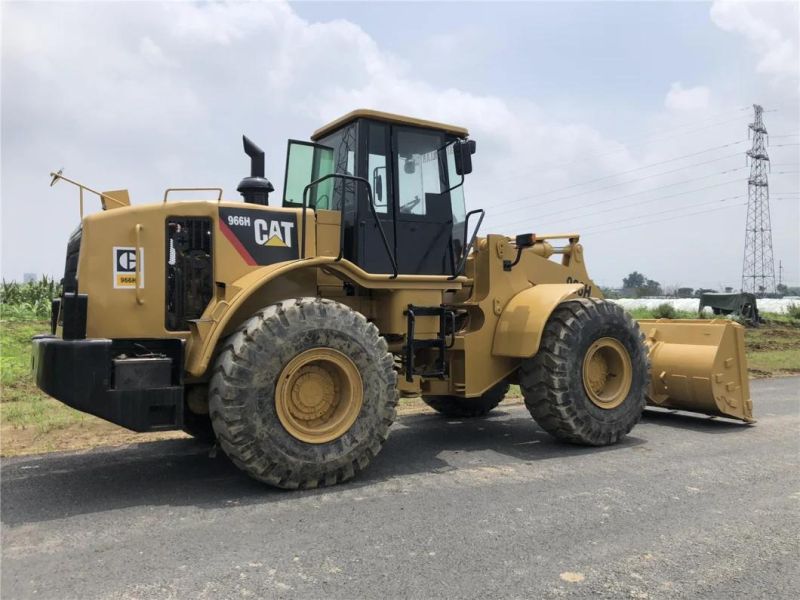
x=501 y=301
x=698 y=366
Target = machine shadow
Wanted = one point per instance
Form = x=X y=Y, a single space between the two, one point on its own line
x=692 y=422
x=181 y=472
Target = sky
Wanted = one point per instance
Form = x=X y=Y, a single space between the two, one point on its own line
x=626 y=122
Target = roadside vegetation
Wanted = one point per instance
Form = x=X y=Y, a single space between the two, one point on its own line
x=31 y=422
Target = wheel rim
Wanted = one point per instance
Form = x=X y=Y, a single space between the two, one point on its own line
x=607 y=373
x=319 y=395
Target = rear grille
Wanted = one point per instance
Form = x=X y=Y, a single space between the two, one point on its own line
x=70 y=281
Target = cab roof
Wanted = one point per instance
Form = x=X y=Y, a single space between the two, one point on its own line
x=377 y=115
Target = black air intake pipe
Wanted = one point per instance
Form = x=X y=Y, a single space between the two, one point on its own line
x=255 y=188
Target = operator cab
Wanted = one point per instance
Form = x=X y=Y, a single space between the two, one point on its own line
x=410 y=170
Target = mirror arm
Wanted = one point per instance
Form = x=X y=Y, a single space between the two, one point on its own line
x=455 y=187
x=468 y=247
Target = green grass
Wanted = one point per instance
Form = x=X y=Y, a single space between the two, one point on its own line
x=22 y=404
x=15 y=350
x=656 y=313
x=793 y=311
x=41 y=413
x=770 y=361
x=791 y=318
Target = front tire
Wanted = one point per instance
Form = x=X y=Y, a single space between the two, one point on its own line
x=456 y=407
x=303 y=394
x=587 y=382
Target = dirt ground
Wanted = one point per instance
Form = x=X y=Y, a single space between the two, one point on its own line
x=91 y=432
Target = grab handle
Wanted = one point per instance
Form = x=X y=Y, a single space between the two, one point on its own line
x=138 y=262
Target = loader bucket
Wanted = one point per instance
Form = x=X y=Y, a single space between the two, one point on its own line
x=698 y=366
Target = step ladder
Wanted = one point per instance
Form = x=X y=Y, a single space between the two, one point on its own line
x=440 y=342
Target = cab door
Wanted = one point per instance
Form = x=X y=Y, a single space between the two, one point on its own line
x=423 y=209
x=376 y=166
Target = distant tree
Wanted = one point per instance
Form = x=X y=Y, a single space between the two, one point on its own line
x=651 y=288
x=728 y=290
x=700 y=291
x=785 y=290
x=634 y=281
x=610 y=293
x=685 y=292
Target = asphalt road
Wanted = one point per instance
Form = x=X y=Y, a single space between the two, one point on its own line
x=686 y=507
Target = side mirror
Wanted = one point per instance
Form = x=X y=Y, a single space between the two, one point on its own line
x=377 y=187
x=410 y=167
x=462 y=153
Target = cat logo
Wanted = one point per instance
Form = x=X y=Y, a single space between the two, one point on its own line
x=125 y=267
x=273 y=233
x=260 y=236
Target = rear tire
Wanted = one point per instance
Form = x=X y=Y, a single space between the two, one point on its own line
x=587 y=383
x=197 y=424
x=466 y=408
x=303 y=394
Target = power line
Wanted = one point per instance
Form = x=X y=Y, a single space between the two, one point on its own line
x=588 y=230
x=704 y=123
x=682 y=216
x=629 y=204
x=645 y=139
x=574 y=185
x=646 y=177
x=608 y=201
x=654 y=189
x=615 y=208
x=667 y=219
x=681 y=209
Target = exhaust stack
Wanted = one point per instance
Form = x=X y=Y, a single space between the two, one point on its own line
x=256 y=188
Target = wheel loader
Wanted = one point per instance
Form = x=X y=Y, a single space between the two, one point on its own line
x=287 y=332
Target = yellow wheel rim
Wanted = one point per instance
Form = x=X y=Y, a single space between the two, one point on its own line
x=319 y=395
x=607 y=373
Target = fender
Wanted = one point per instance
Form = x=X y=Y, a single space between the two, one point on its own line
x=222 y=311
x=520 y=327
x=222 y=314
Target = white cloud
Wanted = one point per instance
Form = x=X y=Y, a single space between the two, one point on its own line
x=770 y=28
x=680 y=98
x=151 y=95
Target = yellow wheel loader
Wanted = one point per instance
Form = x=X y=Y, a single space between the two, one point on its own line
x=288 y=333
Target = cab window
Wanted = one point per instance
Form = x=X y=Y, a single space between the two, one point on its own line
x=418 y=169
x=377 y=163
x=343 y=144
